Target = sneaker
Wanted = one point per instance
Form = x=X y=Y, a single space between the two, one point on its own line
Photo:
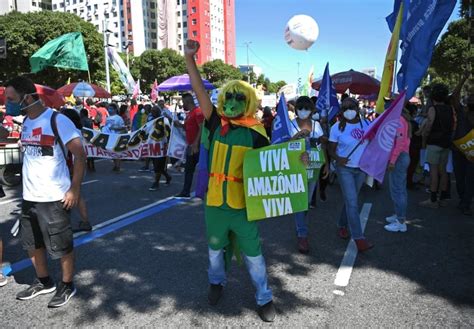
x=83 y=227
x=429 y=204
x=303 y=245
x=168 y=181
x=443 y=203
x=3 y=280
x=144 y=169
x=343 y=233
x=391 y=219
x=215 y=293
x=154 y=187
x=63 y=295
x=267 y=312
x=182 y=196
x=363 y=245
x=36 y=288
x=396 y=227
x=116 y=169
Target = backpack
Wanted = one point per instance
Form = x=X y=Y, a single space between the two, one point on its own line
x=68 y=155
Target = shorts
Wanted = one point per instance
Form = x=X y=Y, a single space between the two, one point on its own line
x=437 y=155
x=46 y=225
x=220 y=222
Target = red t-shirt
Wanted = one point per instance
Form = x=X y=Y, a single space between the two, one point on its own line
x=103 y=112
x=191 y=124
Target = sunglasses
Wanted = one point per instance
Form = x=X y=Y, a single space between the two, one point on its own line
x=239 y=97
x=352 y=107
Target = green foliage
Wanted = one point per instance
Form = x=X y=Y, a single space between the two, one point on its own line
x=452 y=54
x=274 y=87
x=26 y=33
x=159 y=65
x=218 y=72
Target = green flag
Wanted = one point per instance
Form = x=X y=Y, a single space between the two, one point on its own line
x=66 y=51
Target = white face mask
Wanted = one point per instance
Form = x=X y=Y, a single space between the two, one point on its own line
x=303 y=113
x=350 y=114
x=315 y=116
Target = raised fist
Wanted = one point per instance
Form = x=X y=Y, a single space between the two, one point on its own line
x=191 y=47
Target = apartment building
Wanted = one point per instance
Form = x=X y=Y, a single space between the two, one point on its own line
x=138 y=25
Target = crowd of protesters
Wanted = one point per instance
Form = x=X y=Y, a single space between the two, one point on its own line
x=423 y=156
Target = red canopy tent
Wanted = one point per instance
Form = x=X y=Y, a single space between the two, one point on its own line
x=357 y=83
x=100 y=92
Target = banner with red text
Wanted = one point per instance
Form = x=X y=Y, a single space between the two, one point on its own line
x=150 y=141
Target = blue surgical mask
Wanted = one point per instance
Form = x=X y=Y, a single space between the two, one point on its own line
x=13 y=108
x=303 y=113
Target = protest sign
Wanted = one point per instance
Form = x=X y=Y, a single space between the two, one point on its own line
x=316 y=161
x=275 y=180
x=150 y=141
x=177 y=145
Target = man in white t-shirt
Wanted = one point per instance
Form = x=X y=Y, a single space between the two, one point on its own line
x=48 y=193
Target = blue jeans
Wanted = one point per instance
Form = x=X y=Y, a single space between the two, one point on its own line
x=257 y=270
x=350 y=180
x=398 y=186
x=300 y=217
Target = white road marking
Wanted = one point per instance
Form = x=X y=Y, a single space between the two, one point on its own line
x=9 y=201
x=128 y=214
x=345 y=269
x=89 y=182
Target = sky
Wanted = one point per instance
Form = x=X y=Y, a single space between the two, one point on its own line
x=353 y=34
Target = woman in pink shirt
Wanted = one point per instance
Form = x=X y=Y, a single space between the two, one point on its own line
x=398 y=165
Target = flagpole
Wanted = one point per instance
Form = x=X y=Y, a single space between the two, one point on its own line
x=89 y=75
x=395 y=70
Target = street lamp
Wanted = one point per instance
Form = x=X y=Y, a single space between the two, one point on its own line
x=126 y=47
x=248 y=63
x=106 y=32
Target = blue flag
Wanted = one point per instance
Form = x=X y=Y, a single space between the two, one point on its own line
x=421 y=25
x=281 y=123
x=327 y=102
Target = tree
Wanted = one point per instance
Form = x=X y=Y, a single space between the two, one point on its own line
x=452 y=54
x=253 y=77
x=218 y=72
x=26 y=33
x=274 y=87
x=159 y=65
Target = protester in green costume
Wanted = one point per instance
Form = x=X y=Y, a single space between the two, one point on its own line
x=232 y=130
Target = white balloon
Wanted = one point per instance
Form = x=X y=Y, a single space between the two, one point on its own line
x=301 y=32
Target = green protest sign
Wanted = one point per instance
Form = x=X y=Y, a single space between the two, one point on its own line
x=275 y=180
x=316 y=160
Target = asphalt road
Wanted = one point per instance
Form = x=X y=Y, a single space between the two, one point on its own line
x=149 y=267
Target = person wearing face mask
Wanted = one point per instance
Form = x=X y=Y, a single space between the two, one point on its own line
x=345 y=136
x=48 y=192
x=303 y=126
